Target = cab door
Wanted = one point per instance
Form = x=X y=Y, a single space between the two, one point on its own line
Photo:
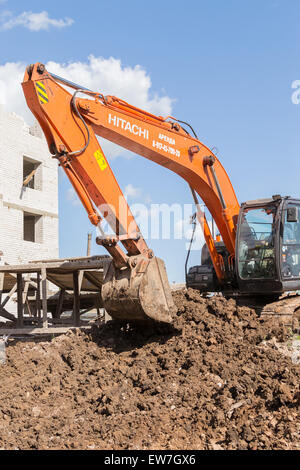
x=290 y=242
x=257 y=248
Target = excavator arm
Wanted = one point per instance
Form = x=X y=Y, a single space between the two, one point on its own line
x=136 y=287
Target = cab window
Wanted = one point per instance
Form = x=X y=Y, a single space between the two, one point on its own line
x=256 y=259
x=291 y=245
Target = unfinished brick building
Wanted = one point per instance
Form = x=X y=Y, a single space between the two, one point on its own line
x=28 y=193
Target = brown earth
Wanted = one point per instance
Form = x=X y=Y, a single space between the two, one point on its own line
x=213 y=381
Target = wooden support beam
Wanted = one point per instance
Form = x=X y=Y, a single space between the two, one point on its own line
x=29 y=309
x=20 y=300
x=38 y=299
x=25 y=290
x=60 y=303
x=9 y=295
x=44 y=297
x=5 y=314
x=76 y=301
x=80 y=279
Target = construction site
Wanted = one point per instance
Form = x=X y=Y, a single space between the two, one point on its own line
x=115 y=339
x=99 y=352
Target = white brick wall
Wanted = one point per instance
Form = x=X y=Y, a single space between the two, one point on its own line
x=17 y=141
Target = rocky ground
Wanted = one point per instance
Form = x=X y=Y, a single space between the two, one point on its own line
x=219 y=378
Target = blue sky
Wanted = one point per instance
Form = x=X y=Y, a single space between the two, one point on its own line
x=229 y=67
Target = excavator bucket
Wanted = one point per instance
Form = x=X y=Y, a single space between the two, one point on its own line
x=140 y=293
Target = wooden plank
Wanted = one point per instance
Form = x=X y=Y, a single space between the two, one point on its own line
x=78 y=258
x=29 y=177
x=41 y=331
x=65 y=322
x=76 y=301
x=68 y=265
x=20 y=299
x=44 y=296
x=32 y=281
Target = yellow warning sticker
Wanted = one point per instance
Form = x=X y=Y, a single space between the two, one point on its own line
x=42 y=92
x=100 y=160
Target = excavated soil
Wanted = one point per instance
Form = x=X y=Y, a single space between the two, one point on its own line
x=213 y=381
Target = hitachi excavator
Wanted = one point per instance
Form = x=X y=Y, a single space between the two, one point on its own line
x=257 y=252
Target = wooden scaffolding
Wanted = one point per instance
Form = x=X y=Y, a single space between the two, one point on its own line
x=78 y=279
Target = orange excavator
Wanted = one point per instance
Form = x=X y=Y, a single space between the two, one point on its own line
x=257 y=251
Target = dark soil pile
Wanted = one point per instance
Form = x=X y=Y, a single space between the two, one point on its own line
x=210 y=382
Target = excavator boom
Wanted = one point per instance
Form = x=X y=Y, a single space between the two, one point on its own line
x=136 y=286
x=257 y=253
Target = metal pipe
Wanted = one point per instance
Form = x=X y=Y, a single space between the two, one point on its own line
x=218 y=187
x=64 y=81
x=217 y=260
x=209 y=161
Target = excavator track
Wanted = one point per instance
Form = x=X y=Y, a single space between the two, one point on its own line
x=286 y=309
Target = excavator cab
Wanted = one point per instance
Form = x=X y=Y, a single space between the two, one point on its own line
x=267 y=260
x=268 y=246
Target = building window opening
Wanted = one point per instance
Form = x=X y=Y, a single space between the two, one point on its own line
x=32 y=173
x=32 y=224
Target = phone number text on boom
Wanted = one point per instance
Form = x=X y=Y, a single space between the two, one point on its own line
x=165 y=148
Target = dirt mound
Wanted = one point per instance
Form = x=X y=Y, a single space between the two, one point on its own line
x=213 y=381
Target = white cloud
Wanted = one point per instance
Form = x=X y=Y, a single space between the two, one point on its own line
x=132 y=84
x=11 y=94
x=107 y=76
x=33 y=21
x=131 y=191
